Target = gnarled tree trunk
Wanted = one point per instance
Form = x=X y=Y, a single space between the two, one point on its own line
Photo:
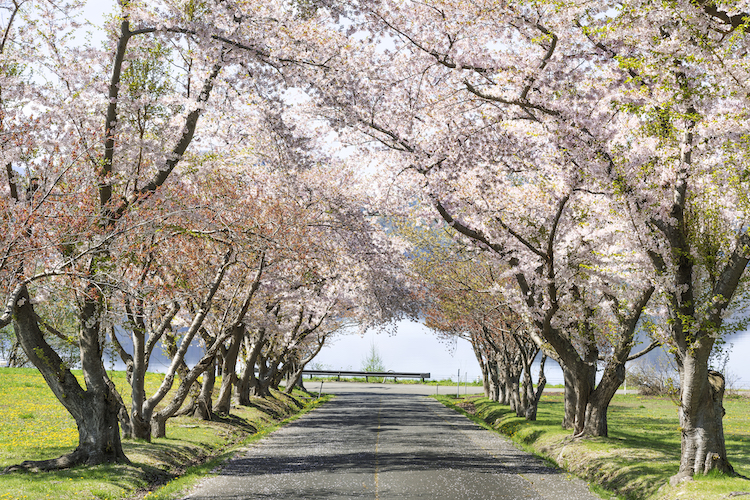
x=95 y=409
x=204 y=405
x=483 y=358
x=595 y=420
x=701 y=412
x=295 y=376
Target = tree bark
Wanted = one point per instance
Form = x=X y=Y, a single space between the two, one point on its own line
x=178 y=360
x=202 y=407
x=569 y=398
x=259 y=385
x=512 y=386
x=295 y=376
x=533 y=396
x=159 y=419
x=499 y=380
x=701 y=412
x=137 y=365
x=483 y=360
x=229 y=371
x=595 y=420
x=248 y=380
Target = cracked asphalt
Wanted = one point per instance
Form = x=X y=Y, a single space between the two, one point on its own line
x=380 y=441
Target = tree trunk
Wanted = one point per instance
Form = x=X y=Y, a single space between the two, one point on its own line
x=502 y=392
x=224 y=402
x=514 y=392
x=141 y=422
x=595 y=421
x=294 y=378
x=527 y=354
x=204 y=405
x=513 y=368
x=12 y=361
x=569 y=416
x=486 y=384
x=493 y=381
x=95 y=409
x=533 y=396
x=584 y=383
x=247 y=382
x=201 y=403
x=701 y=412
x=159 y=419
x=579 y=385
x=484 y=360
x=159 y=425
x=261 y=384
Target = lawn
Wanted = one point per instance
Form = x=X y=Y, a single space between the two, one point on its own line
x=641 y=453
x=35 y=426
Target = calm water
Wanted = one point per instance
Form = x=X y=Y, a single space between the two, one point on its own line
x=737 y=368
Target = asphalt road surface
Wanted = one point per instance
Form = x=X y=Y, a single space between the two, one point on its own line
x=380 y=441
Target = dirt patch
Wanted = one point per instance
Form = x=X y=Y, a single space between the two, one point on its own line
x=468 y=407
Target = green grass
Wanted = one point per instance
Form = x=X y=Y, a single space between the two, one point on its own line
x=641 y=453
x=36 y=427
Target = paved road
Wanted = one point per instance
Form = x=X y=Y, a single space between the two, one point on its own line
x=380 y=442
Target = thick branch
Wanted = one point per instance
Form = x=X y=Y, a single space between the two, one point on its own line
x=547 y=57
x=735 y=21
x=728 y=282
x=188 y=338
x=653 y=345
x=105 y=188
x=166 y=321
x=188 y=130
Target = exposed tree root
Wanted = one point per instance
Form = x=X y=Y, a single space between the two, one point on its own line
x=72 y=459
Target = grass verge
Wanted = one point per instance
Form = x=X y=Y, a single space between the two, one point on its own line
x=637 y=459
x=35 y=427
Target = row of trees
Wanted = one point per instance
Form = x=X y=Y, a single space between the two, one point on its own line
x=596 y=156
x=589 y=160
x=156 y=187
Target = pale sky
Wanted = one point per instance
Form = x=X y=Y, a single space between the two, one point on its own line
x=413 y=348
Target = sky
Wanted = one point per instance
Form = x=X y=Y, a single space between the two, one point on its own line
x=413 y=348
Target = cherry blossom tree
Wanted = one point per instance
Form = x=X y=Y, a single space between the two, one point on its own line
x=687 y=120
x=439 y=99
x=464 y=296
x=333 y=268
x=109 y=132
x=634 y=104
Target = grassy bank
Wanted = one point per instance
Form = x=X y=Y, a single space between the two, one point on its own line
x=641 y=453
x=35 y=427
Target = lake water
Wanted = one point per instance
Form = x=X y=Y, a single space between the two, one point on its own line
x=414 y=348
x=737 y=368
